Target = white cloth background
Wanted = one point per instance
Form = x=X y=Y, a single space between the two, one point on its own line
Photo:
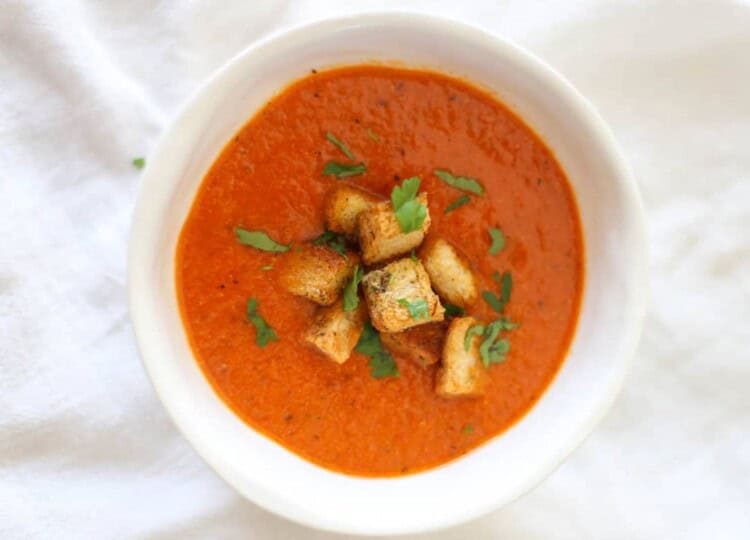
x=86 y=450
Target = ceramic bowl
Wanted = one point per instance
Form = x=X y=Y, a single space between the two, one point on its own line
x=610 y=319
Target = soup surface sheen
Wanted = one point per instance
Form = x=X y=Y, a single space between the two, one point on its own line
x=401 y=123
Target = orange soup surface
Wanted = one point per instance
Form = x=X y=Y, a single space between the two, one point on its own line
x=400 y=123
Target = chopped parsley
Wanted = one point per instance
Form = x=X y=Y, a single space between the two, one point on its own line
x=351 y=295
x=498 y=240
x=259 y=240
x=506 y=286
x=493 y=349
x=139 y=162
x=373 y=135
x=468 y=429
x=464 y=183
x=417 y=309
x=342 y=170
x=341 y=146
x=410 y=213
x=413 y=255
x=458 y=203
x=333 y=240
x=474 y=330
x=452 y=310
x=264 y=333
x=381 y=362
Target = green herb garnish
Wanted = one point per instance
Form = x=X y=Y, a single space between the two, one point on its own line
x=381 y=362
x=475 y=330
x=351 y=294
x=259 y=240
x=452 y=310
x=493 y=350
x=468 y=429
x=417 y=309
x=413 y=255
x=463 y=183
x=333 y=240
x=373 y=135
x=506 y=286
x=462 y=200
x=341 y=170
x=139 y=162
x=341 y=146
x=498 y=240
x=410 y=213
x=263 y=332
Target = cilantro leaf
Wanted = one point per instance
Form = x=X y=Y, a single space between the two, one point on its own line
x=341 y=170
x=464 y=183
x=498 y=240
x=381 y=362
x=506 y=286
x=373 y=135
x=351 y=294
x=410 y=213
x=452 y=310
x=462 y=200
x=333 y=240
x=417 y=309
x=259 y=240
x=407 y=191
x=139 y=162
x=264 y=333
x=475 y=330
x=341 y=146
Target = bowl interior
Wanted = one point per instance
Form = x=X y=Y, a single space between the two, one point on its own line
x=513 y=462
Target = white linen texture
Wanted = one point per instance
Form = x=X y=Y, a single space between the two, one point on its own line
x=86 y=449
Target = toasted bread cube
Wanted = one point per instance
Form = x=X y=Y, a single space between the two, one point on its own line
x=335 y=332
x=462 y=373
x=380 y=234
x=342 y=208
x=450 y=272
x=422 y=344
x=316 y=272
x=386 y=291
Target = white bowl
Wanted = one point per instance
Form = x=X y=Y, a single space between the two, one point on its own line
x=610 y=319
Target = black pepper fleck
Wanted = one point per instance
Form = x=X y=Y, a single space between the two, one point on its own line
x=314 y=71
x=288 y=417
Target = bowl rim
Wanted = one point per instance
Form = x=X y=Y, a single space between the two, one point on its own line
x=558 y=85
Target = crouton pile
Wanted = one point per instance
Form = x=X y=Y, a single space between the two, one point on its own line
x=402 y=295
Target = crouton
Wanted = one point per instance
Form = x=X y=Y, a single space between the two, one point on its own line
x=380 y=234
x=450 y=272
x=343 y=205
x=335 y=332
x=422 y=344
x=399 y=296
x=462 y=373
x=316 y=272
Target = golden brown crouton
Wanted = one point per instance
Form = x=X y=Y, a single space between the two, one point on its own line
x=316 y=272
x=422 y=344
x=399 y=296
x=380 y=235
x=342 y=207
x=335 y=332
x=462 y=373
x=450 y=272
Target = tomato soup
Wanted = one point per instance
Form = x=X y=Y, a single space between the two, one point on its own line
x=400 y=123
